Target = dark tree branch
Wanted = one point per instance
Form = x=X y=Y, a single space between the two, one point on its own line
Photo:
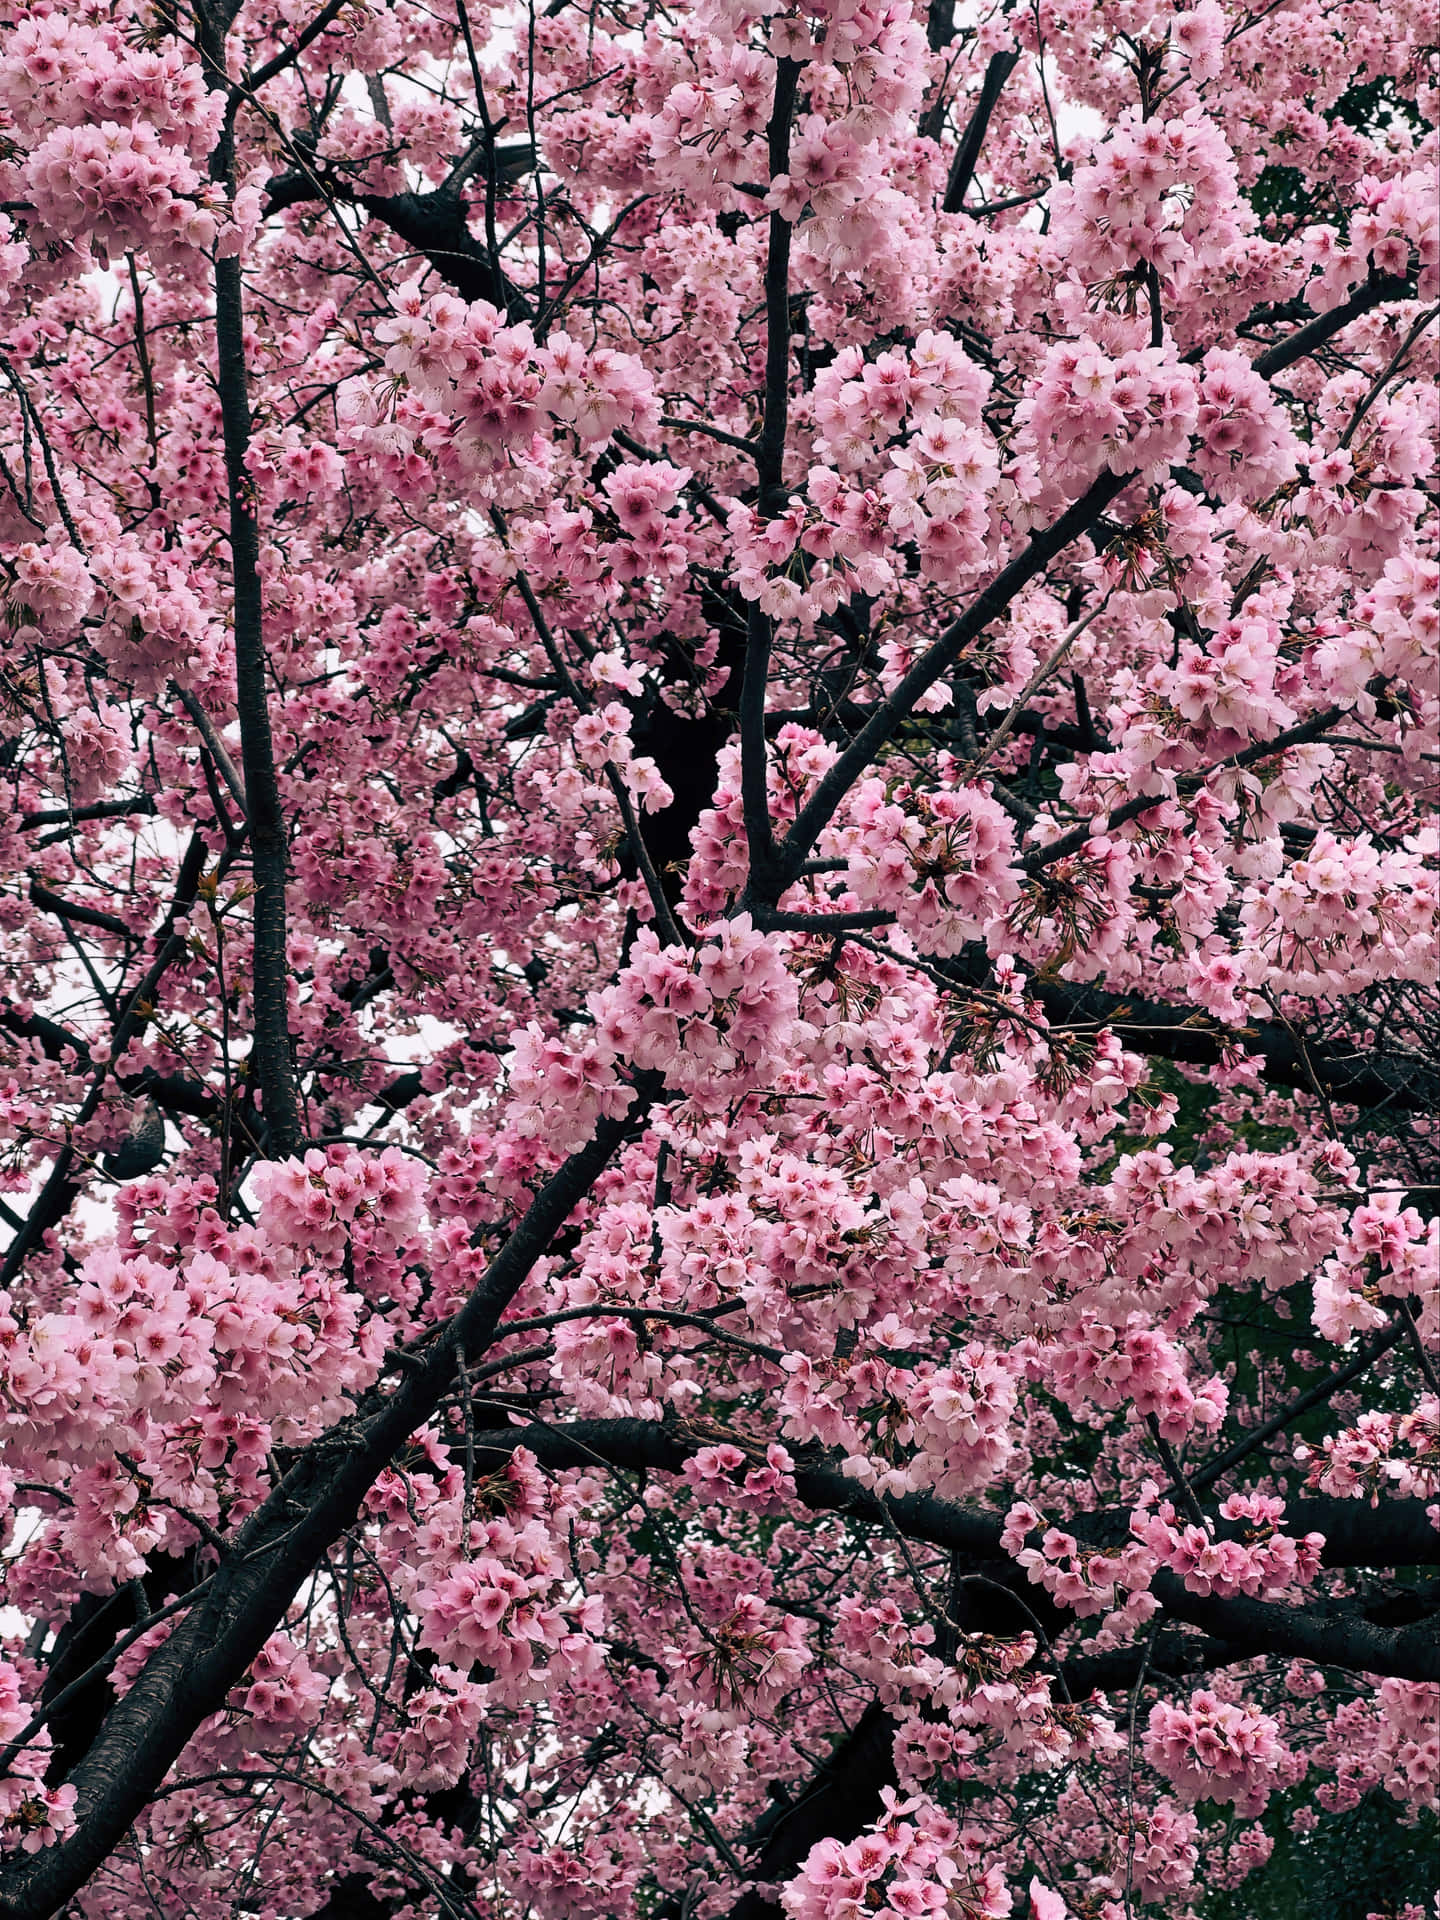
x=171 y=1091
x=827 y=923
x=1373 y=1080
x=841 y=1801
x=56 y=1042
x=140 y=803
x=271 y=1049
x=271 y=1556
x=1397 y=1535
x=287 y=57
x=770 y=468
x=993 y=601
x=1379 y=288
x=1217 y=1468
x=434 y=224
x=988 y=605
x=1370 y=1080
x=210 y=734
x=967 y=154
x=82 y=916
x=1297 y=736
x=940 y=24
x=62 y=1185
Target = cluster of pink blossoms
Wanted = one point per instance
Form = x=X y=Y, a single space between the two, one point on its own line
x=1133 y=412
x=1306 y=930
x=1159 y=193
x=32 y=1815
x=866 y=77
x=1388 y=1251
x=57 y=69
x=1215 y=1750
x=702 y=136
x=1133 y=1365
x=987 y=1713
x=194 y=1347
x=1080 y=1579
x=865 y=59
x=1245 y=447
x=502 y=1611
x=441 y=1721
x=602 y=739
x=48 y=583
x=861 y=407
x=864 y=73
x=913 y=1861
x=338 y=1204
x=491 y=388
x=728 y=1474
x=940 y=861
x=1390 y=1739
x=714 y=1021
x=720 y=863
x=1261 y=1562
x=1398 y=1454
x=489 y=1582
x=1396 y=226
x=153 y=618
x=747 y=1662
x=1395 y=635
x=122 y=186
x=896 y=1653
x=120 y=135
x=908 y=426
x=594 y=1877
x=1165 y=1853
x=145 y=1340
x=281 y=1697
x=960 y=1419
x=97 y=748
x=1229 y=689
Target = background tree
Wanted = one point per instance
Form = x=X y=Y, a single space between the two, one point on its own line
x=717 y=968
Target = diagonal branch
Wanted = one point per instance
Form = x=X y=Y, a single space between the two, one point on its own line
x=995 y=599
x=287 y=57
x=62 y=1186
x=1368 y=1080
x=967 y=154
x=434 y=224
x=1379 y=288
x=73 y=910
x=1297 y=736
x=987 y=605
x=1315 y=1396
x=274 y=1552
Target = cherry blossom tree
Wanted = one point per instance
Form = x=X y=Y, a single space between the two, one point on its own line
x=717 y=1000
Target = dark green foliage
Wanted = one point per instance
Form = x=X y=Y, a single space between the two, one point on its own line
x=1372 y=108
x=1281 y=191
x=1353 y=1864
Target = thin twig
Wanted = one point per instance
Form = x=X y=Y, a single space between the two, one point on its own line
x=1135 y=1693
x=1176 y=1473
x=209 y=733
